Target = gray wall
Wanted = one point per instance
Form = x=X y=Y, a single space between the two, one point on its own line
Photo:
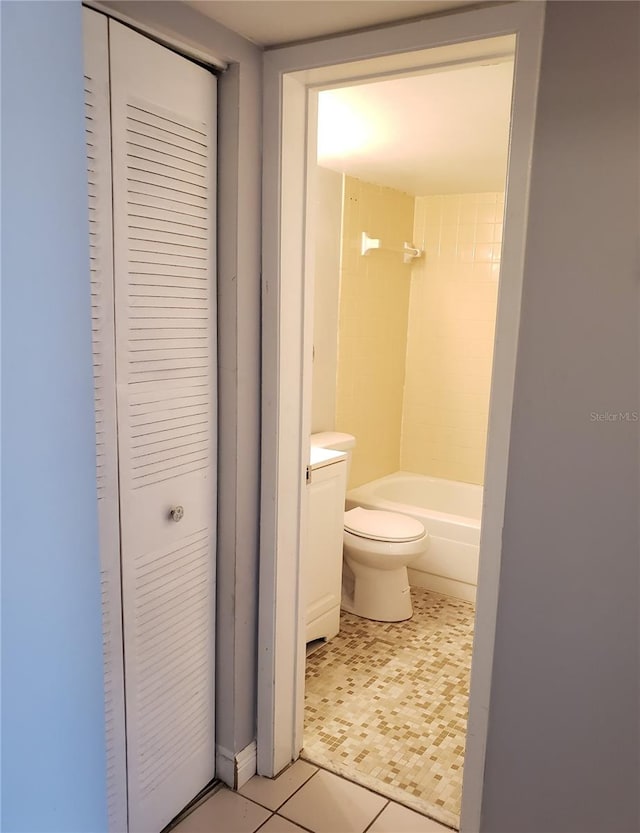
x=53 y=749
x=563 y=727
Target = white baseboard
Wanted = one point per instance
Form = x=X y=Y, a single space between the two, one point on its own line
x=236 y=770
x=225 y=766
x=246 y=764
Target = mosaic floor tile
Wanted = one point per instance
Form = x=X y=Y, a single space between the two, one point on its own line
x=386 y=704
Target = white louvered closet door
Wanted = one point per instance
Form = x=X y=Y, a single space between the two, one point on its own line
x=163 y=115
x=98 y=133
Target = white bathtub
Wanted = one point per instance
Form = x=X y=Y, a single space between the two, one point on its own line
x=450 y=512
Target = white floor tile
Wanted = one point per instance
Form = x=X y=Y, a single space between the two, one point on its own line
x=329 y=804
x=397 y=819
x=224 y=812
x=277 y=824
x=272 y=792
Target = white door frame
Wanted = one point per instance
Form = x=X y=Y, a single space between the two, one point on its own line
x=291 y=76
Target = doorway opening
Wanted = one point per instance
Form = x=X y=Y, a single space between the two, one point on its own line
x=409 y=203
x=294 y=79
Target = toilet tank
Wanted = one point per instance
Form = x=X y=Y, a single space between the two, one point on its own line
x=335 y=441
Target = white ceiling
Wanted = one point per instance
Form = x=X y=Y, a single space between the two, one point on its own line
x=271 y=22
x=438 y=133
x=446 y=132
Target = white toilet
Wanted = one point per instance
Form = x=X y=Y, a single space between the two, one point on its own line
x=378 y=547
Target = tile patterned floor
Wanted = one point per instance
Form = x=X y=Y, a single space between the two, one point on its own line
x=303 y=799
x=386 y=704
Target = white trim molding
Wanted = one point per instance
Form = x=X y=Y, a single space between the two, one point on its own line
x=236 y=770
x=246 y=764
x=225 y=766
x=291 y=74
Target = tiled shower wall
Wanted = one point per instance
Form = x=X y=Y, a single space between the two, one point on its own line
x=372 y=331
x=450 y=335
x=415 y=343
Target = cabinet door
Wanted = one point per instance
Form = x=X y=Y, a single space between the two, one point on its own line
x=322 y=575
x=98 y=132
x=163 y=113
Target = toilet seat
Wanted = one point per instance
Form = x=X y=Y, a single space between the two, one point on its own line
x=377 y=525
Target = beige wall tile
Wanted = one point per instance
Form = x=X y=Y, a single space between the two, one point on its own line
x=329 y=200
x=450 y=337
x=415 y=342
x=372 y=329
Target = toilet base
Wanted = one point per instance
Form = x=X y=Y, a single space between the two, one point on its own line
x=381 y=595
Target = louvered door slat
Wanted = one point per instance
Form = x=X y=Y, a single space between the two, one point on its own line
x=163 y=116
x=98 y=132
x=151 y=205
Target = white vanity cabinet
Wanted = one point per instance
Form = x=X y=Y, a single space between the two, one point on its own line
x=322 y=561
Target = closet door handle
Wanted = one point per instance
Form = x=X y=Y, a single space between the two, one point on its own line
x=176 y=513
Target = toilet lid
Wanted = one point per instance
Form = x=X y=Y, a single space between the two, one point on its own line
x=382 y=526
